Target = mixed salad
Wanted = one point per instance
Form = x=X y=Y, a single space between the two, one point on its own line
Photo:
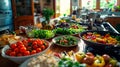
x=104 y=39
x=66 y=40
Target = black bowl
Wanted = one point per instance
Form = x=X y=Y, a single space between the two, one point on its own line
x=99 y=48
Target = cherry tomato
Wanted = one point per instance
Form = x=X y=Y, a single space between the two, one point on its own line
x=13 y=54
x=25 y=42
x=8 y=51
x=20 y=46
x=43 y=47
x=26 y=53
x=34 y=43
x=23 y=49
x=38 y=50
x=16 y=50
x=13 y=46
x=35 y=46
x=19 y=43
x=40 y=42
x=33 y=52
x=19 y=54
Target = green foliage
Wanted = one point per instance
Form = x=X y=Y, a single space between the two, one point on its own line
x=47 y=13
x=43 y=34
x=118 y=7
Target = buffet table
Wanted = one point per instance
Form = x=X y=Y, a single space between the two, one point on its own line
x=53 y=48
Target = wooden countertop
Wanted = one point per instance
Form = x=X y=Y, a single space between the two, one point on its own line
x=53 y=48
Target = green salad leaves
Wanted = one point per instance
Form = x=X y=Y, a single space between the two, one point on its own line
x=43 y=34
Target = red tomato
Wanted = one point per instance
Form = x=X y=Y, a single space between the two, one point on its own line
x=19 y=54
x=13 y=53
x=38 y=50
x=16 y=50
x=40 y=42
x=8 y=51
x=23 y=49
x=20 y=46
x=43 y=47
x=13 y=46
x=26 y=53
x=19 y=43
x=25 y=42
x=34 y=43
x=35 y=46
x=33 y=52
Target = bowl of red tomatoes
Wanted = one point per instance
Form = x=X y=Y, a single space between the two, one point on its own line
x=25 y=49
x=100 y=42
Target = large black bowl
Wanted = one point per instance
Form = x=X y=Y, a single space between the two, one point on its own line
x=99 y=48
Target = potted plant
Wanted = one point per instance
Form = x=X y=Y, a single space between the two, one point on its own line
x=117 y=8
x=47 y=13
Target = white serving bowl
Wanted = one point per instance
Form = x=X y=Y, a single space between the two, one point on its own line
x=21 y=59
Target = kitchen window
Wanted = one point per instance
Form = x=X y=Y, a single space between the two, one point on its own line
x=91 y=4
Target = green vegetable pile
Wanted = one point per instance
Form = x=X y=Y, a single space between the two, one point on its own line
x=67 y=62
x=67 y=31
x=43 y=34
x=67 y=40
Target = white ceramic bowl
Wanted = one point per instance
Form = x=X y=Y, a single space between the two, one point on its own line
x=21 y=59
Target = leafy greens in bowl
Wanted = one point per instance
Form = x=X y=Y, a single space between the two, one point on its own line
x=67 y=31
x=43 y=34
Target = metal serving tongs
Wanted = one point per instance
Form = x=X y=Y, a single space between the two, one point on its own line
x=69 y=54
